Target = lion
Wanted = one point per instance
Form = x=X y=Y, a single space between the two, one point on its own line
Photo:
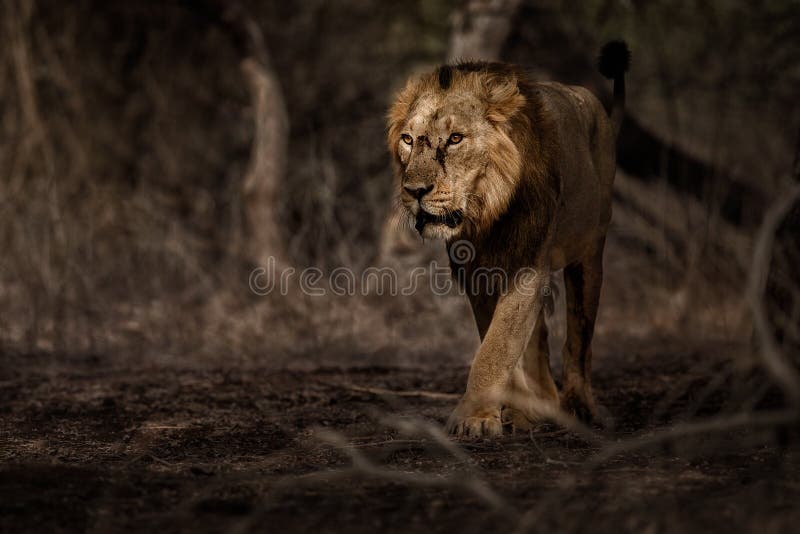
x=522 y=172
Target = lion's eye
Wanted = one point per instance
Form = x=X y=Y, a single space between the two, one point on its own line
x=407 y=139
x=455 y=138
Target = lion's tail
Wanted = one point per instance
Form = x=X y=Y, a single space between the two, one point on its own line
x=614 y=61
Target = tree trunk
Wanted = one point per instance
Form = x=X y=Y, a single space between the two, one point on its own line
x=267 y=165
x=480 y=29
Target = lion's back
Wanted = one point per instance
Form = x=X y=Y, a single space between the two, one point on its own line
x=584 y=151
x=583 y=130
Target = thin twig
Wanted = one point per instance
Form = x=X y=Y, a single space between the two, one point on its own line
x=546 y=458
x=420 y=427
x=362 y=465
x=402 y=393
x=684 y=430
x=386 y=442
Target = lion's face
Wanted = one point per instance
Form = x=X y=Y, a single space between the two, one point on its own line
x=442 y=150
x=447 y=142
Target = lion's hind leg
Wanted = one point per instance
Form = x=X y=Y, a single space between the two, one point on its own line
x=532 y=395
x=582 y=282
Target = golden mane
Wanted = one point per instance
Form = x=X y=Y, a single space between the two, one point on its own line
x=514 y=147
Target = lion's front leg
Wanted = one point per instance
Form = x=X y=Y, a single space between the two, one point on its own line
x=533 y=396
x=503 y=341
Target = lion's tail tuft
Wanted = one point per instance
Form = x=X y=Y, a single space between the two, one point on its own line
x=614 y=61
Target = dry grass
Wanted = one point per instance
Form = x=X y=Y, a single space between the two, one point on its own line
x=122 y=213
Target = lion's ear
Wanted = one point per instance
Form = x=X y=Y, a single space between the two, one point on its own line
x=503 y=98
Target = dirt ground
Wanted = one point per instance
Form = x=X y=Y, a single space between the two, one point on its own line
x=88 y=446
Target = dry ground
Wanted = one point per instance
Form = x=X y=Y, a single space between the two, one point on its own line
x=87 y=446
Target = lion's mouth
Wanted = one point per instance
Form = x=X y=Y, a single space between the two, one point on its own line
x=451 y=220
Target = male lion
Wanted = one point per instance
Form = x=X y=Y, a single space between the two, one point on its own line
x=523 y=172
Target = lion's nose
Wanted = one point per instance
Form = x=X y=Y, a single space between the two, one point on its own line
x=419 y=192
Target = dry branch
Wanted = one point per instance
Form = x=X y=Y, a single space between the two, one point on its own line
x=784 y=374
x=466 y=482
x=403 y=393
x=697 y=428
x=420 y=427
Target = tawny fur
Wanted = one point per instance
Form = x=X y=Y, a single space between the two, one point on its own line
x=530 y=166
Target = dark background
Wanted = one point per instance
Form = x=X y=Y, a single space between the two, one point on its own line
x=152 y=154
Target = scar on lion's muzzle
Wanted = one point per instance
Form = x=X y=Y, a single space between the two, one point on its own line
x=450 y=219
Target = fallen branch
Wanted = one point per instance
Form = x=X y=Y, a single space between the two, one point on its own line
x=421 y=427
x=369 y=444
x=406 y=393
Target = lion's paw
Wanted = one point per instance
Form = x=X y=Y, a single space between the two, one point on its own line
x=475 y=423
x=516 y=419
x=581 y=406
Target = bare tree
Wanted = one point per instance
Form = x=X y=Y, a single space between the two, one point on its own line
x=480 y=28
x=267 y=166
x=267 y=162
